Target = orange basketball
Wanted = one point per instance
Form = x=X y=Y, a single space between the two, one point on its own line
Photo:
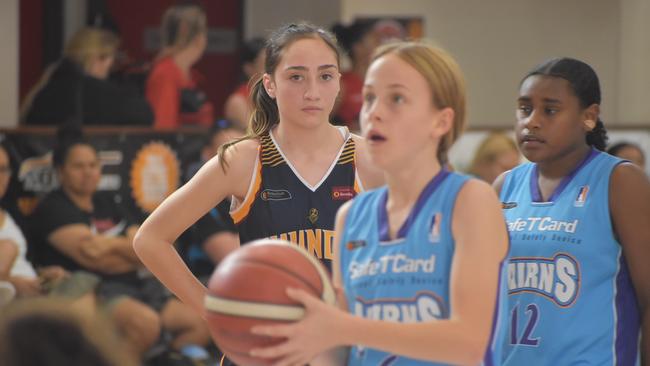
x=249 y=287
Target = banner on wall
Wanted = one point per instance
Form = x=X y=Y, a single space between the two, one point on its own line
x=138 y=169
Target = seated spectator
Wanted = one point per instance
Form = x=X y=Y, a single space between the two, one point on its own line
x=80 y=229
x=214 y=235
x=47 y=332
x=15 y=270
x=496 y=154
x=628 y=151
x=173 y=86
x=76 y=88
x=238 y=106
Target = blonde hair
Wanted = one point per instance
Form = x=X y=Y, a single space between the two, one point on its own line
x=89 y=44
x=495 y=144
x=180 y=25
x=445 y=80
x=85 y=46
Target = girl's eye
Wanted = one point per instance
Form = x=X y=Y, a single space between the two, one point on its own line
x=551 y=111
x=295 y=77
x=368 y=97
x=397 y=98
x=524 y=109
x=327 y=77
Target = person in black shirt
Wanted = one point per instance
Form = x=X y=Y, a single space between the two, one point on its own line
x=76 y=88
x=214 y=235
x=80 y=229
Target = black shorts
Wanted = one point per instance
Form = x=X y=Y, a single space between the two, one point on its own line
x=147 y=290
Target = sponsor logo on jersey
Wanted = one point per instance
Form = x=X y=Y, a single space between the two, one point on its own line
x=508 y=205
x=582 y=196
x=275 y=195
x=318 y=242
x=434 y=233
x=557 y=278
x=424 y=306
x=355 y=244
x=342 y=193
x=543 y=224
x=391 y=264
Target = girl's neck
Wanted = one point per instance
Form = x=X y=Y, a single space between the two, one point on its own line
x=184 y=60
x=84 y=202
x=406 y=182
x=306 y=140
x=564 y=164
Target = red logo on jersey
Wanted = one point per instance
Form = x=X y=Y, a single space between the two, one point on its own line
x=343 y=193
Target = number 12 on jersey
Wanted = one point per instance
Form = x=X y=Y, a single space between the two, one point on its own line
x=530 y=317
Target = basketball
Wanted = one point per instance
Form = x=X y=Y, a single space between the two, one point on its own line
x=249 y=287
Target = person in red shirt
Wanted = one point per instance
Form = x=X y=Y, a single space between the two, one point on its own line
x=359 y=40
x=238 y=106
x=172 y=86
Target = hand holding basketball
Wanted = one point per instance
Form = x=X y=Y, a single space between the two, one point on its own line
x=249 y=288
x=318 y=331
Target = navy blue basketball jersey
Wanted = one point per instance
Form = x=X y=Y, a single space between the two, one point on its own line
x=406 y=279
x=570 y=298
x=280 y=204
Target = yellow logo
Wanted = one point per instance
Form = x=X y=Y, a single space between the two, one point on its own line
x=155 y=173
x=313 y=215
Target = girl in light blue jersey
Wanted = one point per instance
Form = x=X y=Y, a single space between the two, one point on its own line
x=420 y=260
x=578 y=275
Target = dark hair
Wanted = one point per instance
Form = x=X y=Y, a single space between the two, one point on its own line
x=46 y=332
x=216 y=128
x=616 y=148
x=585 y=85
x=68 y=136
x=251 y=49
x=349 y=35
x=265 y=112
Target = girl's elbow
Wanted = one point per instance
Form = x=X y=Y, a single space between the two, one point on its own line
x=140 y=243
x=473 y=351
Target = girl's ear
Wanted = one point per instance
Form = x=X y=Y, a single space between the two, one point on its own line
x=590 y=116
x=443 y=122
x=269 y=85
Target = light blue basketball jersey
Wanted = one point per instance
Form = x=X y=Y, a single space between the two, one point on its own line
x=406 y=279
x=570 y=298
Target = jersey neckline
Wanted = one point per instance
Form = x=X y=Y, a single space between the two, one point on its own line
x=384 y=227
x=535 y=191
x=346 y=136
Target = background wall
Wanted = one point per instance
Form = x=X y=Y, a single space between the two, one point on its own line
x=260 y=16
x=496 y=43
x=9 y=63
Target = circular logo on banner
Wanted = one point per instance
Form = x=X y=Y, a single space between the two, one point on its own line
x=155 y=172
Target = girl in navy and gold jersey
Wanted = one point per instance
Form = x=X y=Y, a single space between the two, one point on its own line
x=421 y=262
x=282 y=204
x=287 y=176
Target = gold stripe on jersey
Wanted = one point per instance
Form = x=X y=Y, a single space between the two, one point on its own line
x=270 y=154
x=242 y=211
x=347 y=155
